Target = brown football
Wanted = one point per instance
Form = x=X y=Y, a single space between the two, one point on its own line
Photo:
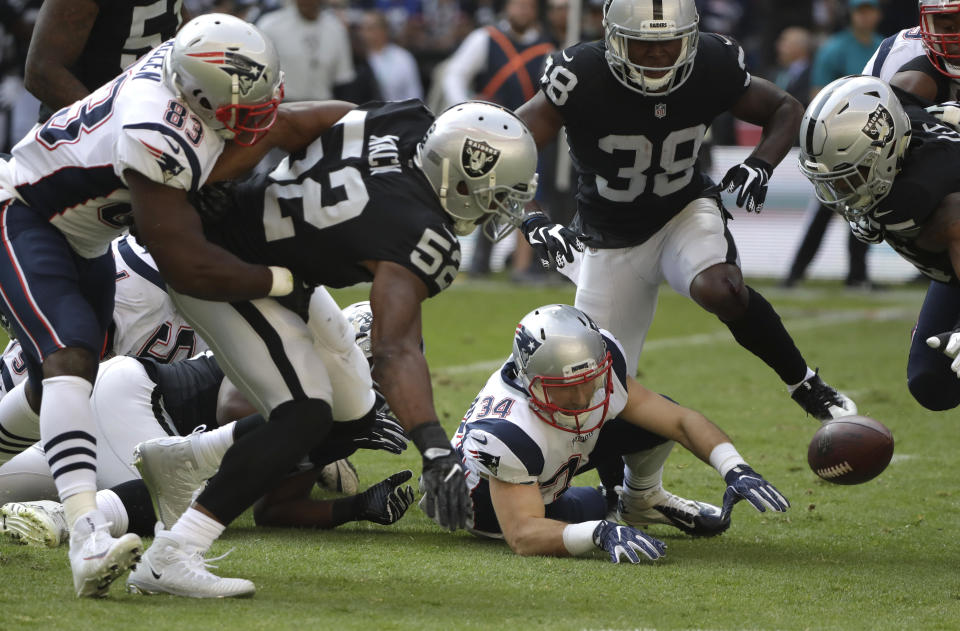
x=850 y=450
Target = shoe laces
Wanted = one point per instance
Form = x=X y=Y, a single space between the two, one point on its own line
x=197 y=564
x=821 y=393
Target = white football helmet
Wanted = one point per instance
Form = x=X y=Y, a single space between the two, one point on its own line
x=482 y=162
x=360 y=317
x=943 y=47
x=562 y=361
x=228 y=73
x=853 y=137
x=650 y=21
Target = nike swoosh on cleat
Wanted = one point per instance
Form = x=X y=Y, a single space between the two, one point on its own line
x=96 y=556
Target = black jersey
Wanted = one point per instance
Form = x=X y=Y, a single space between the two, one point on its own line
x=187 y=390
x=353 y=195
x=636 y=155
x=947 y=88
x=123 y=31
x=931 y=171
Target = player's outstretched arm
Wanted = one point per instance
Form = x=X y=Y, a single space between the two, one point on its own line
x=528 y=532
x=169 y=227
x=705 y=440
x=401 y=371
x=542 y=118
x=297 y=125
x=59 y=36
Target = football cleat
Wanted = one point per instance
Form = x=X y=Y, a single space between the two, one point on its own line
x=822 y=401
x=662 y=507
x=96 y=558
x=340 y=477
x=171 y=566
x=40 y=523
x=172 y=474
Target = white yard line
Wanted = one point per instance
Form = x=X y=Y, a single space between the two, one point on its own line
x=827 y=319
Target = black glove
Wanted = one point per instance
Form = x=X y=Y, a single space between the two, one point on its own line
x=385 y=503
x=442 y=483
x=298 y=300
x=551 y=241
x=385 y=433
x=867 y=230
x=743 y=483
x=751 y=177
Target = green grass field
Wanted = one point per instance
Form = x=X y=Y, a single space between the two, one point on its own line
x=883 y=555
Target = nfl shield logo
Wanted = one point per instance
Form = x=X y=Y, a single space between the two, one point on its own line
x=660 y=110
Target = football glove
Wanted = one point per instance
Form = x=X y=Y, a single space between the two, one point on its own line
x=444 y=488
x=867 y=230
x=751 y=178
x=385 y=433
x=947 y=113
x=625 y=541
x=949 y=344
x=551 y=242
x=743 y=483
x=385 y=503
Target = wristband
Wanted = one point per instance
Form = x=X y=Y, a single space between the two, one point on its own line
x=725 y=457
x=282 y=281
x=578 y=538
x=429 y=436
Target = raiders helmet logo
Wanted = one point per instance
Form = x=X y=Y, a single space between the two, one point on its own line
x=478 y=157
x=246 y=70
x=879 y=127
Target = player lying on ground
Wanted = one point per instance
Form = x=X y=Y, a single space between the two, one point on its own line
x=141 y=400
x=564 y=404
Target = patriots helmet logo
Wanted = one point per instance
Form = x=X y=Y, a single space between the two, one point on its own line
x=247 y=71
x=478 y=157
x=526 y=343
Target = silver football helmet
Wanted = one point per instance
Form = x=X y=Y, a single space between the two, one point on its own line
x=360 y=317
x=562 y=361
x=941 y=43
x=228 y=73
x=853 y=137
x=482 y=162
x=650 y=21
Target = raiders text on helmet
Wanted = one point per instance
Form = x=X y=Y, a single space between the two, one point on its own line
x=482 y=162
x=558 y=352
x=852 y=140
x=228 y=73
x=650 y=21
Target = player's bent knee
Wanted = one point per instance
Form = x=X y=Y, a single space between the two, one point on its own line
x=76 y=362
x=720 y=290
x=934 y=392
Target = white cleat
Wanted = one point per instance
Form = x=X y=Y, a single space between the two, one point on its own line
x=96 y=558
x=40 y=523
x=171 y=566
x=172 y=474
x=340 y=476
x=662 y=507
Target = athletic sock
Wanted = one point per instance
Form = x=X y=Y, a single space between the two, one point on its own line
x=198 y=530
x=792 y=387
x=69 y=437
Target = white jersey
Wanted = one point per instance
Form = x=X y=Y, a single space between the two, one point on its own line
x=895 y=51
x=145 y=322
x=70 y=169
x=501 y=437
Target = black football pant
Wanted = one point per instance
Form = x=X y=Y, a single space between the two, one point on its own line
x=929 y=377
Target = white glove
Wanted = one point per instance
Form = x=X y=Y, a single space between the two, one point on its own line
x=867 y=230
x=949 y=344
x=947 y=113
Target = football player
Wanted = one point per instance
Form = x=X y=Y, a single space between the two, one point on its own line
x=381 y=196
x=565 y=403
x=889 y=167
x=933 y=74
x=635 y=107
x=145 y=324
x=131 y=149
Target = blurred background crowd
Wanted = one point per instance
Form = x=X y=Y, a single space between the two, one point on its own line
x=447 y=51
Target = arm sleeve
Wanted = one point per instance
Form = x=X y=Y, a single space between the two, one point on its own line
x=465 y=64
